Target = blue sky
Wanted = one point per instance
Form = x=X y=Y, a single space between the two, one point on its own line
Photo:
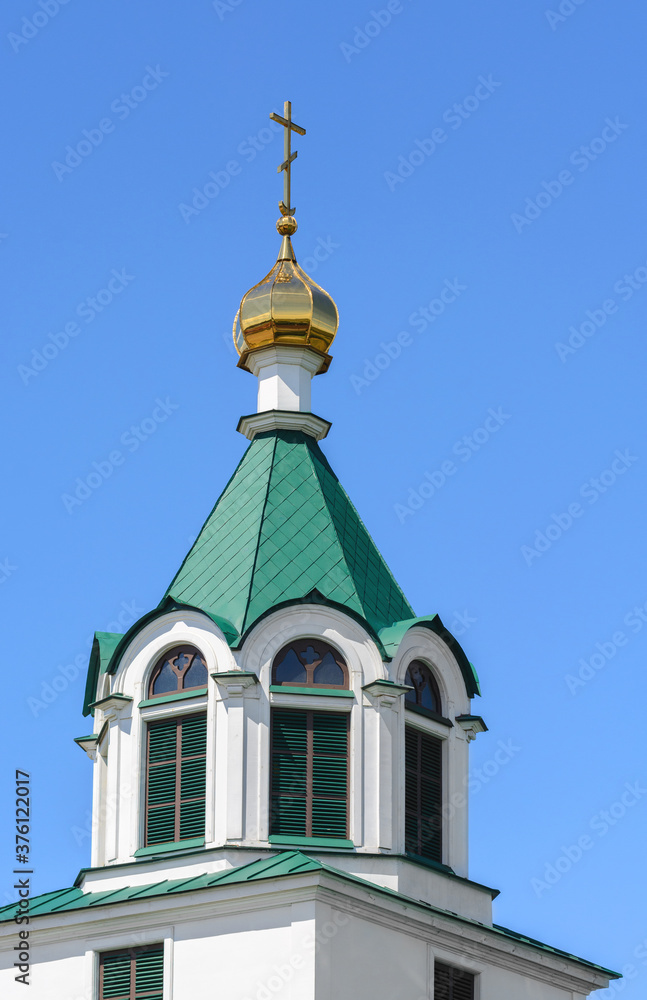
x=472 y=182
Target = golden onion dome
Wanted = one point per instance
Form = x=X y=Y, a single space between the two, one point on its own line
x=286 y=308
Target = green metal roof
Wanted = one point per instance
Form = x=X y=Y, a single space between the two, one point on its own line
x=281 y=865
x=103 y=646
x=283 y=528
x=392 y=636
x=282 y=532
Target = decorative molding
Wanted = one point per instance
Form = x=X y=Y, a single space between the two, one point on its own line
x=113 y=705
x=387 y=693
x=89 y=745
x=472 y=725
x=235 y=682
x=289 y=420
x=178 y=696
x=316 y=691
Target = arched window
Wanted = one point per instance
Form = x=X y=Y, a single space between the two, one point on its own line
x=310 y=663
x=180 y=669
x=425 y=692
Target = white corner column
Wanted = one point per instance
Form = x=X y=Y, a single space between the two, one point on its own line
x=113 y=798
x=234 y=685
x=381 y=775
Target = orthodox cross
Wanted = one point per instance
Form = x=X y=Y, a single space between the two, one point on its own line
x=290 y=127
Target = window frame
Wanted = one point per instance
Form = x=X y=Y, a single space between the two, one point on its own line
x=309 y=711
x=310 y=669
x=150 y=721
x=434 y=685
x=168 y=655
x=133 y=953
x=455 y=969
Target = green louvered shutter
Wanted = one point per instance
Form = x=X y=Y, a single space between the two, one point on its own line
x=176 y=778
x=193 y=777
x=289 y=773
x=329 y=775
x=132 y=975
x=452 y=984
x=423 y=794
x=149 y=974
x=309 y=783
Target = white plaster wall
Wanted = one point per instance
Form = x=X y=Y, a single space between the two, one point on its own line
x=238 y=733
x=255 y=956
x=292 y=939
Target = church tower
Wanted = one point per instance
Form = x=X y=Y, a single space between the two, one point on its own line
x=280 y=748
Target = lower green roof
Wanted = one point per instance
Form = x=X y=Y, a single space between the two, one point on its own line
x=279 y=866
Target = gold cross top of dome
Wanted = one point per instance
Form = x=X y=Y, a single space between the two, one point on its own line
x=290 y=127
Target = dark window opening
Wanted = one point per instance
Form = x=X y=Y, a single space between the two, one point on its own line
x=180 y=669
x=426 y=693
x=423 y=795
x=452 y=984
x=310 y=663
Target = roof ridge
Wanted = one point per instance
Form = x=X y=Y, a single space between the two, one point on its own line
x=259 y=536
x=315 y=450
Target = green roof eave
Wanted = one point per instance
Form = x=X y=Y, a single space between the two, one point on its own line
x=112 y=654
x=103 y=646
x=392 y=636
x=285 y=864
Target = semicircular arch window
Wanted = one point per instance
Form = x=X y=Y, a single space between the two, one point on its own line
x=180 y=669
x=310 y=663
x=425 y=693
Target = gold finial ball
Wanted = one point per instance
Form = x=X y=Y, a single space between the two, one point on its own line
x=287 y=225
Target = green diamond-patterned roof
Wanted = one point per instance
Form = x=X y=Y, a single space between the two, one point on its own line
x=283 y=527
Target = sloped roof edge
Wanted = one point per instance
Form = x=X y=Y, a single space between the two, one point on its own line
x=392 y=636
x=280 y=866
x=103 y=662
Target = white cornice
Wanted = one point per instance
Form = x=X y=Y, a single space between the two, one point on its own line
x=283 y=420
x=462 y=937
